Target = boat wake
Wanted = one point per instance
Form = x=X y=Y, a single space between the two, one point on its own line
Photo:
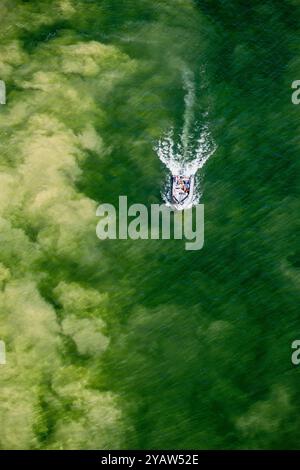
x=186 y=153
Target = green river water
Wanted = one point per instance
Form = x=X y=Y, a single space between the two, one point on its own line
x=122 y=344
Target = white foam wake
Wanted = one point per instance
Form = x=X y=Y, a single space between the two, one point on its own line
x=170 y=152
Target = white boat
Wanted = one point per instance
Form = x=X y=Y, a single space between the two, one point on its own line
x=182 y=190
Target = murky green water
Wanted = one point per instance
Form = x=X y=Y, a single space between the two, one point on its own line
x=141 y=344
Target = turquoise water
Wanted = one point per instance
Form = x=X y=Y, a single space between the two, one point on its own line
x=141 y=344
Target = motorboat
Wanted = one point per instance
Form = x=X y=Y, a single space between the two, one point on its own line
x=182 y=190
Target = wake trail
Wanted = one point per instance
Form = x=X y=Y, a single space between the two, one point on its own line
x=186 y=153
x=189 y=100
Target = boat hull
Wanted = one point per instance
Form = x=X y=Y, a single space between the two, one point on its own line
x=182 y=190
